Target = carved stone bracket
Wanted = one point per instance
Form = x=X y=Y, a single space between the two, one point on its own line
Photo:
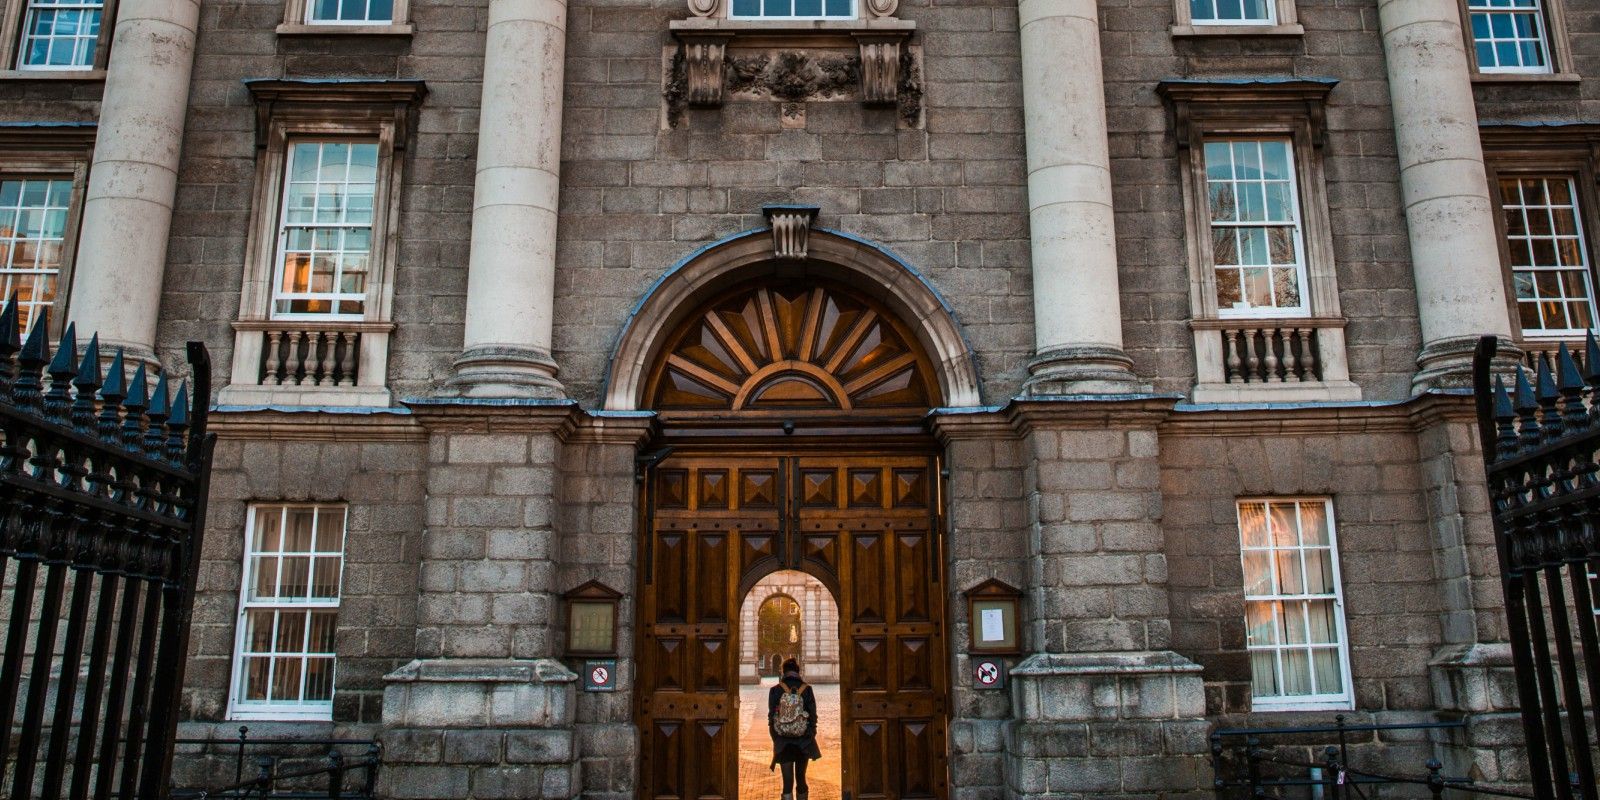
x=706 y=8
x=706 y=65
x=791 y=229
x=881 y=8
x=880 y=67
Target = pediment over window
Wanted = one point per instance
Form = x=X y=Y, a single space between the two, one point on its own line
x=792 y=348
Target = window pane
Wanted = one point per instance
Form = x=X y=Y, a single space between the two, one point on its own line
x=1509 y=37
x=1549 y=254
x=60 y=35
x=1251 y=181
x=1294 y=642
x=329 y=210
x=33 y=222
x=286 y=651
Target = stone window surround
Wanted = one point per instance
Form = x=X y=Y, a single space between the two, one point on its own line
x=295 y=22
x=708 y=33
x=1572 y=150
x=1286 y=23
x=60 y=151
x=1291 y=108
x=11 y=43
x=336 y=109
x=1558 y=43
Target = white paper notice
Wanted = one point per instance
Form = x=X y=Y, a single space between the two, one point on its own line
x=991 y=624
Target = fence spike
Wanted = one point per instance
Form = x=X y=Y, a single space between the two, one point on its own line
x=86 y=381
x=1527 y=408
x=63 y=367
x=135 y=401
x=1570 y=385
x=155 y=436
x=10 y=342
x=111 y=394
x=1552 y=424
x=34 y=355
x=1504 y=418
x=178 y=423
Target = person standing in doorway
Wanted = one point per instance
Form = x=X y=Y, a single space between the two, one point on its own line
x=792 y=721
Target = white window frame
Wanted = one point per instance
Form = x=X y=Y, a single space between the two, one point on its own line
x=30 y=8
x=1542 y=30
x=855 y=13
x=57 y=302
x=280 y=256
x=238 y=707
x=1345 y=700
x=310 y=17
x=1586 y=268
x=1302 y=274
x=1269 y=20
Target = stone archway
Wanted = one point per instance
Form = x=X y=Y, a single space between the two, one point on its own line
x=830 y=255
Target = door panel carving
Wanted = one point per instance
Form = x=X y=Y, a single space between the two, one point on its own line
x=864 y=525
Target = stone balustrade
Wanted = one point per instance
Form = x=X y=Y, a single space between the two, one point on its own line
x=309 y=362
x=1291 y=359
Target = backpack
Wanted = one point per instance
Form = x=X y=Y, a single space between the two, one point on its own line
x=791 y=718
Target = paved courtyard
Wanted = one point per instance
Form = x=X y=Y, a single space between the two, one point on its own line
x=756 y=782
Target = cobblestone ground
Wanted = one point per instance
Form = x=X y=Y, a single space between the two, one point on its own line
x=756 y=782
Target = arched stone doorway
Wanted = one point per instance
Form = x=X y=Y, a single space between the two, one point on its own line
x=778 y=634
x=794 y=404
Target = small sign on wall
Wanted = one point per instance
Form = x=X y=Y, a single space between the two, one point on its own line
x=600 y=675
x=988 y=672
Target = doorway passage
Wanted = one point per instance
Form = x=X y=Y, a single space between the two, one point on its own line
x=788 y=614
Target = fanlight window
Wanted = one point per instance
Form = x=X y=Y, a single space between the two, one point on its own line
x=803 y=347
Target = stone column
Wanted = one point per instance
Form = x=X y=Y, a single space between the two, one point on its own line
x=1454 y=255
x=127 y=210
x=511 y=272
x=1077 y=305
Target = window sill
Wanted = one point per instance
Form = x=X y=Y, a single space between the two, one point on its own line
x=302 y=29
x=81 y=75
x=324 y=715
x=788 y=27
x=304 y=396
x=1204 y=31
x=1561 y=78
x=1258 y=707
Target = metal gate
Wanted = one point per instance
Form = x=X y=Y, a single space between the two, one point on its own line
x=1540 y=441
x=102 y=504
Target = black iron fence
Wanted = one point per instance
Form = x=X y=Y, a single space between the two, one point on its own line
x=1336 y=762
x=102 y=504
x=278 y=769
x=1540 y=441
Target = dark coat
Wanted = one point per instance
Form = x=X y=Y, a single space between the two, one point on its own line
x=793 y=748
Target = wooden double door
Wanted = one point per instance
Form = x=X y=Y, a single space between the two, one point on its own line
x=866 y=526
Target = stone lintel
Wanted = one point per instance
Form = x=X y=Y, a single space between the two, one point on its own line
x=1117 y=663
x=1126 y=685
x=476 y=693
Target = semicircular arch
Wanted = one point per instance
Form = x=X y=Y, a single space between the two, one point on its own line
x=746 y=257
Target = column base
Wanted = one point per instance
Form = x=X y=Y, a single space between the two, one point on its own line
x=466 y=729
x=501 y=371
x=1089 y=369
x=1447 y=363
x=1121 y=724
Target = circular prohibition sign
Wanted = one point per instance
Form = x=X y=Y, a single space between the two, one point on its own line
x=599 y=676
x=988 y=673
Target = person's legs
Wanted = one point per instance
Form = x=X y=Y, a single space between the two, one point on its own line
x=788 y=769
x=801 y=787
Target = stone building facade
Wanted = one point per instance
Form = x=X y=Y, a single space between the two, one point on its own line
x=1159 y=311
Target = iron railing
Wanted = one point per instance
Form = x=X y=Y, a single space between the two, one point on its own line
x=283 y=769
x=1540 y=442
x=1331 y=762
x=102 y=504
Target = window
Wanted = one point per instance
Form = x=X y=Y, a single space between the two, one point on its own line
x=60 y=34
x=793 y=9
x=33 y=230
x=1232 y=12
x=349 y=12
x=1294 y=617
x=325 y=230
x=1509 y=35
x=1549 y=259
x=288 y=612
x=1256 y=241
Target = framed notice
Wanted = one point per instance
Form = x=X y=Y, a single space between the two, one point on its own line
x=992 y=607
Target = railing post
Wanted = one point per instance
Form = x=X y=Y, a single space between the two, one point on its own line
x=374 y=752
x=1330 y=771
x=238 y=760
x=264 y=768
x=335 y=773
x=1435 y=782
x=1218 y=783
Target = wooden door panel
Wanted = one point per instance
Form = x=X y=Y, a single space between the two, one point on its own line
x=665 y=751
x=871 y=759
x=711 y=566
x=713 y=747
x=868 y=574
x=671 y=570
x=913 y=561
x=921 y=746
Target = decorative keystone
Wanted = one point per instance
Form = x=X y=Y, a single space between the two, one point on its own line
x=706 y=65
x=877 y=8
x=791 y=230
x=880 y=67
x=708 y=8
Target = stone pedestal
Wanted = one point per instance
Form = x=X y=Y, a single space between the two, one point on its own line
x=1479 y=683
x=1106 y=725
x=479 y=729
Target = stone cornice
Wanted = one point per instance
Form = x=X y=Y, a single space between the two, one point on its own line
x=342 y=99
x=316 y=426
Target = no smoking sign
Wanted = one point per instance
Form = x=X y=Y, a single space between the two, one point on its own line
x=600 y=676
x=988 y=673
